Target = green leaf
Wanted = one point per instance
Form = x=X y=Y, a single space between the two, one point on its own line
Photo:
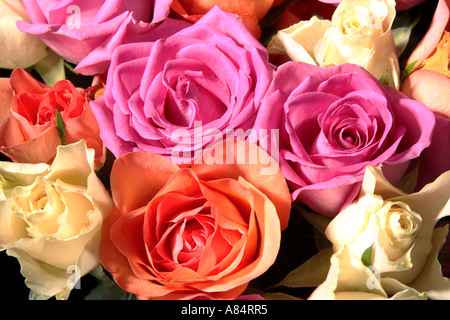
x=366 y=257
x=319 y=222
x=60 y=127
x=408 y=70
x=70 y=68
x=311 y=273
x=51 y=68
x=402 y=33
x=270 y=295
x=107 y=289
x=36 y=296
x=384 y=80
x=409 y=181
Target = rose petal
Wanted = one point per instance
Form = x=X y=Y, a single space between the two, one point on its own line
x=429 y=42
x=137 y=177
x=261 y=171
x=430 y=88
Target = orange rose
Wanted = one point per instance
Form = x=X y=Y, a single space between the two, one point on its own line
x=250 y=11
x=28 y=131
x=204 y=230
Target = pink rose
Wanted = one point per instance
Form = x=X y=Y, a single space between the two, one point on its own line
x=333 y=124
x=209 y=77
x=86 y=32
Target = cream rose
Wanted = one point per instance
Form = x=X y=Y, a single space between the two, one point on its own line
x=51 y=217
x=19 y=50
x=359 y=32
x=350 y=279
x=400 y=230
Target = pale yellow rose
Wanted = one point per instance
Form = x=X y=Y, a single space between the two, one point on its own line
x=359 y=33
x=400 y=229
x=51 y=218
x=18 y=49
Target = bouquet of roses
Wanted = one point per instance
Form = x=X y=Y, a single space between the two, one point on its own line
x=257 y=149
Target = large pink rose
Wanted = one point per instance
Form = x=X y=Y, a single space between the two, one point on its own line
x=202 y=81
x=333 y=124
x=86 y=32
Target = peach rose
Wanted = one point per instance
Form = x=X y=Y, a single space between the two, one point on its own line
x=250 y=11
x=429 y=83
x=19 y=50
x=430 y=80
x=28 y=131
x=199 y=231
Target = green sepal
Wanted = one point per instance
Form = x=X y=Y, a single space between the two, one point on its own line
x=60 y=127
x=366 y=257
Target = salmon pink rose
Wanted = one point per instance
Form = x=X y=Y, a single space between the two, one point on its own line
x=429 y=83
x=203 y=80
x=335 y=122
x=193 y=232
x=86 y=32
x=430 y=80
x=28 y=131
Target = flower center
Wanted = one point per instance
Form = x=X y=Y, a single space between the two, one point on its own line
x=402 y=225
x=361 y=23
x=39 y=206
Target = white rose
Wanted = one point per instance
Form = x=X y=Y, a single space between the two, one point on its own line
x=350 y=279
x=19 y=50
x=358 y=33
x=51 y=218
x=400 y=229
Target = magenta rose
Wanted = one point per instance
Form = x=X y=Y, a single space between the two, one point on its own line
x=335 y=122
x=86 y=32
x=199 y=83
